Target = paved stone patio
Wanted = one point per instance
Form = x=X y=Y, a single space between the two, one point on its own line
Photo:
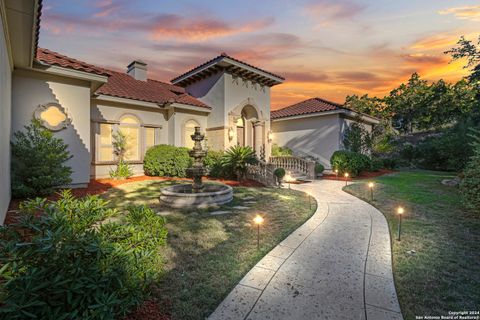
x=335 y=266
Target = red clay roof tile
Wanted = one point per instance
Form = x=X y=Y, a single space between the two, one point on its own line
x=123 y=85
x=309 y=106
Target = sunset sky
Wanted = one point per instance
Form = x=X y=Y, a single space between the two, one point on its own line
x=324 y=48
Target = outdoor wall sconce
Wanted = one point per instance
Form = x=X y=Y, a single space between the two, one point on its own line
x=230 y=133
x=270 y=136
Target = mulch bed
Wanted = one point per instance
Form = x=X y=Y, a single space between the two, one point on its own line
x=102 y=185
x=362 y=176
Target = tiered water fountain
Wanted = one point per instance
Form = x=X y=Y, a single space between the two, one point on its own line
x=197 y=194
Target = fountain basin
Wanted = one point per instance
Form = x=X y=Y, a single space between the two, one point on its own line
x=182 y=195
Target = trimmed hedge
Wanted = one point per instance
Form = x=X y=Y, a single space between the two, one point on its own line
x=166 y=160
x=351 y=162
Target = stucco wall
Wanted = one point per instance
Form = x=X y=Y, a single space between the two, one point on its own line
x=314 y=136
x=5 y=118
x=177 y=122
x=112 y=111
x=30 y=89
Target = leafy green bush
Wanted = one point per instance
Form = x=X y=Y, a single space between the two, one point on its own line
x=470 y=185
x=278 y=151
x=390 y=163
x=213 y=163
x=38 y=162
x=166 y=160
x=236 y=160
x=59 y=261
x=319 y=168
x=376 y=164
x=279 y=173
x=122 y=171
x=348 y=161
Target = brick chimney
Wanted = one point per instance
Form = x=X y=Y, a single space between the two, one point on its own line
x=138 y=70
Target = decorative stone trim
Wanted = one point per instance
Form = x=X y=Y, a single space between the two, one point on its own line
x=41 y=109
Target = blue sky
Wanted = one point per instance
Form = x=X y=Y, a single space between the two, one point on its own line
x=324 y=48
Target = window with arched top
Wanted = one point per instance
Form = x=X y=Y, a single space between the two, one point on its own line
x=189 y=130
x=130 y=127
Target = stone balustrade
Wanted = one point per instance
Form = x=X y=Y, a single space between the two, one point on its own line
x=295 y=164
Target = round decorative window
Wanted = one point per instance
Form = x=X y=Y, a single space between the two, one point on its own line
x=52 y=116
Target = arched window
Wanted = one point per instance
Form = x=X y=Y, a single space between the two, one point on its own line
x=188 y=131
x=130 y=127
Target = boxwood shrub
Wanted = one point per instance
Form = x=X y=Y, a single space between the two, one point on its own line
x=351 y=162
x=166 y=160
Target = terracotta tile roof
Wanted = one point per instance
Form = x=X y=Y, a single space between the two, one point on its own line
x=219 y=58
x=123 y=85
x=57 y=59
x=313 y=105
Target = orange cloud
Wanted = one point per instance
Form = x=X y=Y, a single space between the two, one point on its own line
x=199 y=29
x=326 y=12
x=464 y=13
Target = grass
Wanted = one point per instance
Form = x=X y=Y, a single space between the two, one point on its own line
x=444 y=273
x=207 y=255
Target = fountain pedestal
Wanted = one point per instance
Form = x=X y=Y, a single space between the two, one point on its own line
x=197 y=194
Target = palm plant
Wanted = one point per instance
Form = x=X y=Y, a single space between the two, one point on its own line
x=236 y=160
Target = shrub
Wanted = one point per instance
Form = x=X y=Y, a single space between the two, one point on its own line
x=319 y=168
x=236 y=160
x=376 y=164
x=278 y=151
x=279 y=173
x=122 y=171
x=351 y=162
x=357 y=139
x=38 y=162
x=166 y=160
x=390 y=163
x=213 y=163
x=60 y=262
x=470 y=185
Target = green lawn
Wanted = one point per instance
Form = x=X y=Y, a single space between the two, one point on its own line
x=444 y=273
x=207 y=255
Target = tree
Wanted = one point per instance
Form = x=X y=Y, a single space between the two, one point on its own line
x=38 y=162
x=357 y=139
x=467 y=49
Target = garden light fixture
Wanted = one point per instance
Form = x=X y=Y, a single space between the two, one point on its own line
x=371 y=185
x=258 y=221
x=289 y=179
x=400 y=212
x=336 y=173
x=346 y=178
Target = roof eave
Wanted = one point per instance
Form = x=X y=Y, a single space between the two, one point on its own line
x=69 y=72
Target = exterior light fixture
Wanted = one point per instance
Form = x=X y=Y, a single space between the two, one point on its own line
x=258 y=220
x=270 y=136
x=400 y=212
x=370 y=186
x=230 y=133
x=289 y=179
x=346 y=178
x=336 y=173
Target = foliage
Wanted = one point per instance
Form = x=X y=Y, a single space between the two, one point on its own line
x=278 y=151
x=467 y=49
x=372 y=106
x=390 y=163
x=38 y=162
x=236 y=159
x=349 y=162
x=122 y=171
x=213 y=163
x=279 y=173
x=166 y=160
x=376 y=164
x=61 y=262
x=357 y=139
x=470 y=185
x=319 y=168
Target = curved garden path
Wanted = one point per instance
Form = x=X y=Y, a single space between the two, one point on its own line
x=335 y=266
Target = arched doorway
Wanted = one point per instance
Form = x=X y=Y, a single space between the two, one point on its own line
x=246 y=135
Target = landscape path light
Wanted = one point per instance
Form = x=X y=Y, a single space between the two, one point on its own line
x=336 y=173
x=288 y=178
x=371 y=185
x=258 y=221
x=400 y=212
x=346 y=178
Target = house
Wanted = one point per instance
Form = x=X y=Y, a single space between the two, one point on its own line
x=84 y=105
x=315 y=127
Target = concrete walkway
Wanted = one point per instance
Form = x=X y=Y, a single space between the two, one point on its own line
x=335 y=266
